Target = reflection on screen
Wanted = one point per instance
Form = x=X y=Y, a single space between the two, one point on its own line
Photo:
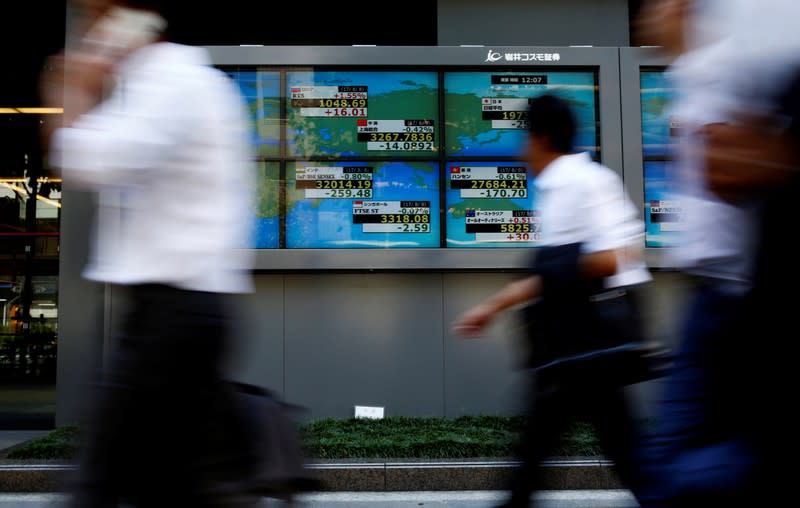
x=261 y=93
x=658 y=127
x=362 y=204
x=267 y=221
x=332 y=113
x=663 y=209
x=485 y=112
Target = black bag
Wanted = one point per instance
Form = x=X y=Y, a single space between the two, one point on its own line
x=614 y=351
x=578 y=330
x=274 y=436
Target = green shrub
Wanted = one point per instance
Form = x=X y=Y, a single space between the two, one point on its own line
x=402 y=437
x=62 y=443
x=390 y=438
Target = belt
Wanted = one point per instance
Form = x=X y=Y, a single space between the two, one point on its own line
x=608 y=295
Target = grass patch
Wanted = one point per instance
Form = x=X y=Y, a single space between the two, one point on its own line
x=434 y=438
x=62 y=443
x=579 y=440
x=390 y=438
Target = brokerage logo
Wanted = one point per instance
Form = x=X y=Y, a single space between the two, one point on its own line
x=493 y=56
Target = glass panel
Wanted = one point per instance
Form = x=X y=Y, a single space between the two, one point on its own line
x=662 y=205
x=485 y=111
x=357 y=134
x=30 y=212
x=658 y=128
x=362 y=204
x=261 y=93
x=267 y=227
x=491 y=204
x=663 y=218
x=333 y=113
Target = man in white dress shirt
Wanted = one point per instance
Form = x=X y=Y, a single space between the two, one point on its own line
x=705 y=448
x=592 y=241
x=162 y=137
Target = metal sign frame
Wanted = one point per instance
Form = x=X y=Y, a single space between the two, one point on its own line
x=441 y=59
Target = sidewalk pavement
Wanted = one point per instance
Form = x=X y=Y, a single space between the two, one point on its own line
x=10 y=438
x=376 y=476
x=354 y=476
x=471 y=499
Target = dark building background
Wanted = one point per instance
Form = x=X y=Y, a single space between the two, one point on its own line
x=40 y=30
x=30 y=245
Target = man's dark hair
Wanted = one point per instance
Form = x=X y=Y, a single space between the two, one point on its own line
x=551 y=117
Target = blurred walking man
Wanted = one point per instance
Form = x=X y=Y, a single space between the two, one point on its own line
x=161 y=136
x=592 y=240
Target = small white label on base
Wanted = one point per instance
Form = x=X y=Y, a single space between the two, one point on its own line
x=375 y=413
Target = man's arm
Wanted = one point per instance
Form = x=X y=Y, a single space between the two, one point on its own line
x=752 y=156
x=470 y=324
x=747 y=159
x=598 y=265
x=473 y=321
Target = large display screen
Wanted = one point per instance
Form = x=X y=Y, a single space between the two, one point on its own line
x=416 y=158
x=485 y=112
x=663 y=211
x=490 y=204
x=332 y=113
x=362 y=204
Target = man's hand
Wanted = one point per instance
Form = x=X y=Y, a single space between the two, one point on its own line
x=470 y=324
x=76 y=83
x=745 y=159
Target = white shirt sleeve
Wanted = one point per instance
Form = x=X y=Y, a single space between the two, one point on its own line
x=610 y=215
x=123 y=140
